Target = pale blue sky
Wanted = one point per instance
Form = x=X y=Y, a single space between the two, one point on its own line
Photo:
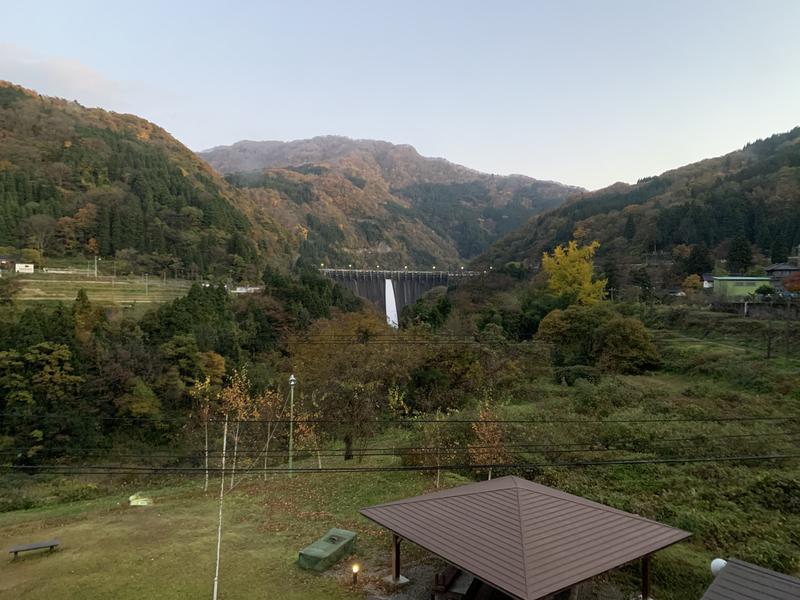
x=587 y=93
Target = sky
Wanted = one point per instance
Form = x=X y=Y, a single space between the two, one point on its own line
x=583 y=92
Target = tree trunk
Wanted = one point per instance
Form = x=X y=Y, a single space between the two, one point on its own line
x=205 y=486
x=266 y=450
x=769 y=341
x=235 y=450
x=319 y=459
x=348 y=446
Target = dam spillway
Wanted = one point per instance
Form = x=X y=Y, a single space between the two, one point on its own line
x=406 y=287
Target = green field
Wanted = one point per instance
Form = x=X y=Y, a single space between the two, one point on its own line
x=112 y=550
x=103 y=290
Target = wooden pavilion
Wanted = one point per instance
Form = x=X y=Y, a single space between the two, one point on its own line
x=522 y=540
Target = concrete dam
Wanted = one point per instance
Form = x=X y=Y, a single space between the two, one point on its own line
x=392 y=290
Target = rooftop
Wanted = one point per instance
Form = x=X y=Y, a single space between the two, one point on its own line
x=523 y=538
x=739 y=580
x=783 y=267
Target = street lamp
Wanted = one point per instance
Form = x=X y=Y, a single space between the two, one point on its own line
x=292 y=383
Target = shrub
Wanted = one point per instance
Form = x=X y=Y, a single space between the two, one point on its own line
x=777 y=491
x=570 y=375
x=623 y=345
x=597 y=336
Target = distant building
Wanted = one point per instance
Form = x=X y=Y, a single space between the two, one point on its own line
x=23 y=268
x=780 y=271
x=735 y=288
x=708 y=281
x=247 y=289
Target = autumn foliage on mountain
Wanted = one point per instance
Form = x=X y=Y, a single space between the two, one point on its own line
x=368 y=203
x=86 y=182
x=736 y=208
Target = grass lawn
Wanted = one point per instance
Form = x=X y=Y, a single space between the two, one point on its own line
x=111 y=550
x=166 y=551
x=128 y=291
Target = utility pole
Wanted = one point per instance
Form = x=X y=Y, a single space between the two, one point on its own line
x=221 y=496
x=292 y=383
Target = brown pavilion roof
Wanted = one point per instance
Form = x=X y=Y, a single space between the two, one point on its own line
x=525 y=539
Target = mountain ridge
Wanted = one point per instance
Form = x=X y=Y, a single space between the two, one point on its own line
x=388 y=202
x=77 y=181
x=751 y=193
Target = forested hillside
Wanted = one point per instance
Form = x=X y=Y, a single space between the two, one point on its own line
x=751 y=196
x=86 y=182
x=370 y=202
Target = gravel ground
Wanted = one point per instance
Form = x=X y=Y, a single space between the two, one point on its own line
x=419 y=588
x=421 y=576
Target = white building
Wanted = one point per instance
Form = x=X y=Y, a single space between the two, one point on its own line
x=23 y=268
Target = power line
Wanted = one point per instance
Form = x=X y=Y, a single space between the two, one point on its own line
x=144 y=470
x=591 y=446
x=411 y=421
x=543 y=445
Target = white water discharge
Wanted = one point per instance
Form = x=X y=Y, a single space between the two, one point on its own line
x=391 y=305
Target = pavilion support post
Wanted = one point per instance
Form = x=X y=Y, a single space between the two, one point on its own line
x=395 y=558
x=646 y=577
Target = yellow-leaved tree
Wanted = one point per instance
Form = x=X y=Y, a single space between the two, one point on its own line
x=569 y=269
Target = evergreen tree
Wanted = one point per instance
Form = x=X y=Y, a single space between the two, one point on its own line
x=630 y=228
x=780 y=250
x=699 y=260
x=641 y=278
x=740 y=255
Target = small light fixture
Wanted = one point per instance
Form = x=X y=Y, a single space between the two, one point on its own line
x=355 y=573
x=717 y=565
x=434 y=267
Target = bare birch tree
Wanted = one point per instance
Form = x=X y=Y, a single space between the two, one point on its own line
x=202 y=394
x=436 y=444
x=270 y=407
x=237 y=402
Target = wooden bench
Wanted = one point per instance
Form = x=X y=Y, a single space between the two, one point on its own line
x=51 y=544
